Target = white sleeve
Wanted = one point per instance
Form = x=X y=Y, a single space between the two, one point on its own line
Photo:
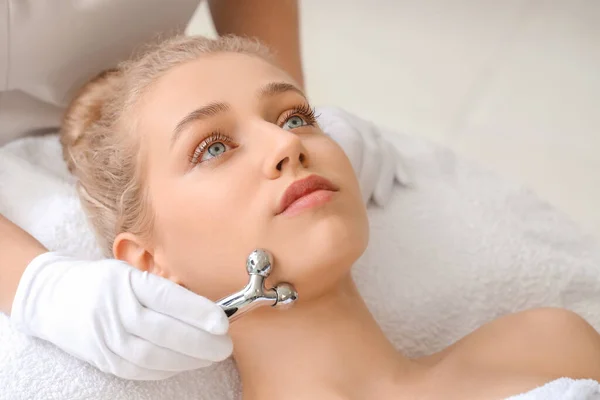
x=49 y=49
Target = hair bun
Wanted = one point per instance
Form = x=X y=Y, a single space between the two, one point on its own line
x=83 y=112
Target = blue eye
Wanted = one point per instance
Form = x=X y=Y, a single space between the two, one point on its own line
x=212 y=147
x=294 y=122
x=214 y=150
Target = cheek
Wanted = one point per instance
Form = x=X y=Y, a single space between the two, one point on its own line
x=200 y=241
x=330 y=159
x=318 y=255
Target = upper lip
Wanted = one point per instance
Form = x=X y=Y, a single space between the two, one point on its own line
x=303 y=187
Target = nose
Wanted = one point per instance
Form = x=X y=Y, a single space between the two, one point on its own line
x=287 y=152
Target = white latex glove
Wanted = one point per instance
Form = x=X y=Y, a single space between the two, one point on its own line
x=375 y=160
x=125 y=322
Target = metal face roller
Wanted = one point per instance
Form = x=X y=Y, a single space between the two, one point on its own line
x=258 y=265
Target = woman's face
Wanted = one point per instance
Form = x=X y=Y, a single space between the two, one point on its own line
x=223 y=138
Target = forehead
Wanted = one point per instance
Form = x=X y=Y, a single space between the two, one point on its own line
x=227 y=77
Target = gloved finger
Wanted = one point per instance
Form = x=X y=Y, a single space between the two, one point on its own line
x=401 y=170
x=175 y=335
x=166 y=297
x=333 y=123
x=350 y=142
x=127 y=370
x=144 y=354
x=386 y=180
x=371 y=166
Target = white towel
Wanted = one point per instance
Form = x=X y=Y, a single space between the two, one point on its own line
x=458 y=249
x=563 y=389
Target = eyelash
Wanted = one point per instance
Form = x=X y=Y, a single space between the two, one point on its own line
x=214 y=137
x=303 y=110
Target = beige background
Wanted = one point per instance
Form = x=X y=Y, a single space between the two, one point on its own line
x=512 y=84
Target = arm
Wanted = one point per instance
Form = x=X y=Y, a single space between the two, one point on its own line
x=273 y=22
x=18 y=248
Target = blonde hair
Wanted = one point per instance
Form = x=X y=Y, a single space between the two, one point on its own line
x=98 y=140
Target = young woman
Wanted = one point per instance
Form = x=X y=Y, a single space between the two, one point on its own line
x=48 y=51
x=202 y=150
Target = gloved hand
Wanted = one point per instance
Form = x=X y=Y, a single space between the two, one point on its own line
x=375 y=160
x=123 y=321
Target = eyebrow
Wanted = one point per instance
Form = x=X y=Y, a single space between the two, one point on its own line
x=274 y=88
x=214 y=109
x=205 y=112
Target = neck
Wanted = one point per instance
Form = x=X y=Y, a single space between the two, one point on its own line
x=328 y=345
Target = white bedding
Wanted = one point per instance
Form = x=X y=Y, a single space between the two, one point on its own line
x=457 y=249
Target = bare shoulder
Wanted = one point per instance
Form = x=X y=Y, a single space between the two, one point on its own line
x=544 y=342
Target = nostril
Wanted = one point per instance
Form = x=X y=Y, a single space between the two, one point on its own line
x=279 y=165
x=301 y=158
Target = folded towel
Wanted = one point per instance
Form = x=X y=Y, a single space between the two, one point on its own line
x=459 y=248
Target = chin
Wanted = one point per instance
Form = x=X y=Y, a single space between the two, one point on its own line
x=320 y=257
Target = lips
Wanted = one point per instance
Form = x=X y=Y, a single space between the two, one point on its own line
x=302 y=188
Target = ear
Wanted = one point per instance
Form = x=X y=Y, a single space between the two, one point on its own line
x=136 y=252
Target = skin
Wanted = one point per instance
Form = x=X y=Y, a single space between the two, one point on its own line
x=18 y=252
x=208 y=217
x=275 y=23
